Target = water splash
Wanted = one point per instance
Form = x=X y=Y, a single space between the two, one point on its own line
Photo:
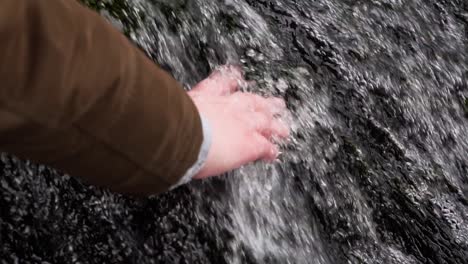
x=375 y=172
x=352 y=74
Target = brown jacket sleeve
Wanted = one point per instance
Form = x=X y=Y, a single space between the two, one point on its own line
x=76 y=95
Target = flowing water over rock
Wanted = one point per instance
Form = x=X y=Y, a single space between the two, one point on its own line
x=376 y=170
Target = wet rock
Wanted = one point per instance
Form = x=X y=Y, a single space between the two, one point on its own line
x=376 y=171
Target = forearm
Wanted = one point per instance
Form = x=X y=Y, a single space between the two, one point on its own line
x=87 y=101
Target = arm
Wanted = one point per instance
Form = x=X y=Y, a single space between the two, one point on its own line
x=76 y=95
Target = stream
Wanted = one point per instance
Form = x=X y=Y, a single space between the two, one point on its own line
x=375 y=172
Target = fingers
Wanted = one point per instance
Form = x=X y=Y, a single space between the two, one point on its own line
x=265 y=128
x=267 y=125
x=278 y=103
x=263 y=149
x=223 y=81
x=271 y=105
x=263 y=114
x=279 y=129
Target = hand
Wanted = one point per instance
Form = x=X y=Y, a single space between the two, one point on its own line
x=243 y=125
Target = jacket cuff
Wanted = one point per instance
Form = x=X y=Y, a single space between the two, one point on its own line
x=202 y=156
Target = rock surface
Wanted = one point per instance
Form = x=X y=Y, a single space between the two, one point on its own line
x=377 y=170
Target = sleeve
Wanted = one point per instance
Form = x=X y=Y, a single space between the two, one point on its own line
x=77 y=95
x=202 y=156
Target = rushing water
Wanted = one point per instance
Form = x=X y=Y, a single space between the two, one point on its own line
x=376 y=170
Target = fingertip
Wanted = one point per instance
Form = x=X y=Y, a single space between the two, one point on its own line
x=276 y=106
x=232 y=86
x=262 y=148
x=276 y=100
x=279 y=130
x=279 y=102
x=274 y=153
x=231 y=70
x=235 y=69
x=283 y=129
x=229 y=78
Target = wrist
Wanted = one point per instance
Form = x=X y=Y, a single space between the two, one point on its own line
x=196 y=170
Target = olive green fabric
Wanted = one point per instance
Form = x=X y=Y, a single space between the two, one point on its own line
x=77 y=95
